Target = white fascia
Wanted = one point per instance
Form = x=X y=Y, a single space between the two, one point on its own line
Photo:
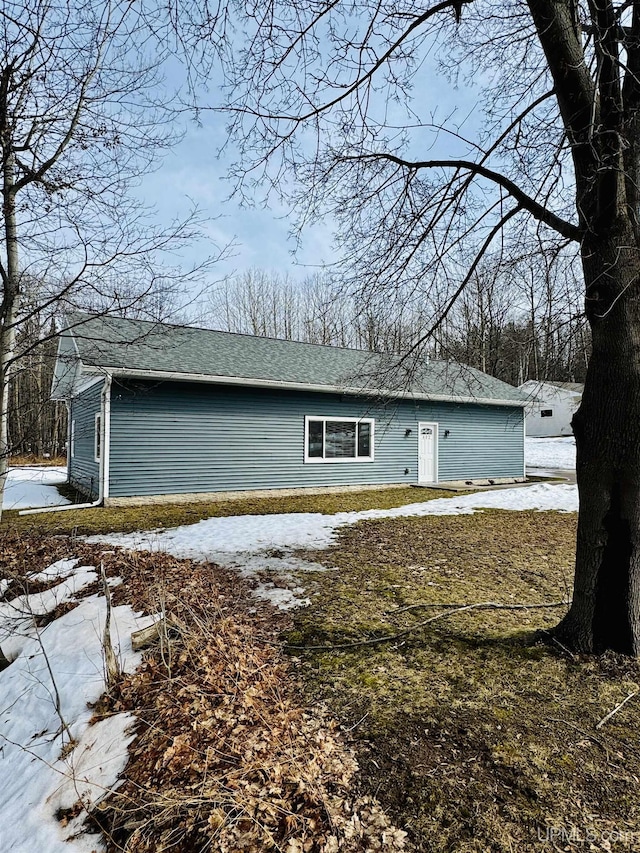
x=88 y=383
x=106 y=436
x=168 y=376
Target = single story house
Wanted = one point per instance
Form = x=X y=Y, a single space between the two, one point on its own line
x=162 y=412
x=550 y=407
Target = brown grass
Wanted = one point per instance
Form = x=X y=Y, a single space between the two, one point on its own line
x=32 y=459
x=476 y=735
x=130 y=519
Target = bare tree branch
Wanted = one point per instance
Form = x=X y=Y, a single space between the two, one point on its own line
x=525 y=202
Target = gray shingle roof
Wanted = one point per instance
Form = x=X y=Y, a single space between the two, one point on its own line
x=137 y=348
x=536 y=386
x=576 y=387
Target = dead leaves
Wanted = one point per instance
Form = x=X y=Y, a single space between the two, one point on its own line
x=226 y=759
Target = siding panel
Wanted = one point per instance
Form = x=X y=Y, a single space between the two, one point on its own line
x=84 y=471
x=173 y=438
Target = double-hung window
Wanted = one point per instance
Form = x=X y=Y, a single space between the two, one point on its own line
x=332 y=439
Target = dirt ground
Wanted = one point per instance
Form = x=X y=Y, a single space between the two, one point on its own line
x=476 y=731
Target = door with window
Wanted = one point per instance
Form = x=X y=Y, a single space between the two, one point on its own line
x=427 y=452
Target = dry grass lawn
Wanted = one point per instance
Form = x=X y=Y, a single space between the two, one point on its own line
x=129 y=519
x=476 y=734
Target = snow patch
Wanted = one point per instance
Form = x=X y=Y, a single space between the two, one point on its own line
x=56 y=671
x=283 y=598
x=89 y=772
x=55 y=570
x=550 y=453
x=234 y=540
x=34 y=486
x=17 y=623
x=254 y=544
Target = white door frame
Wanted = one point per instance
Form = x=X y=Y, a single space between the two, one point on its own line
x=434 y=442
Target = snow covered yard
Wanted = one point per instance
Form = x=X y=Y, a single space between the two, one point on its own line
x=34 y=486
x=257 y=545
x=550 y=453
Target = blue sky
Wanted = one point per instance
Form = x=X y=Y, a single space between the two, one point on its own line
x=194 y=174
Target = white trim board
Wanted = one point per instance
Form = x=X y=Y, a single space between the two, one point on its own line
x=160 y=375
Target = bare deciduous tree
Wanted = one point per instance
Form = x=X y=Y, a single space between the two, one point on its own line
x=84 y=114
x=334 y=91
x=517 y=321
x=37 y=425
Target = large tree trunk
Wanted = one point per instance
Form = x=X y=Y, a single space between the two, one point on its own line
x=605 y=613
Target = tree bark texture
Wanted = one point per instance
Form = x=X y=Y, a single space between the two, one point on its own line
x=9 y=304
x=605 y=613
x=598 y=97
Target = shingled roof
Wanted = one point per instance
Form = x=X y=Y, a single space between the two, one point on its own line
x=93 y=345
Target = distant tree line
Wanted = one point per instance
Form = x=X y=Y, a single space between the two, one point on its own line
x=521 y=324
x=37 y=425
x=513 y=321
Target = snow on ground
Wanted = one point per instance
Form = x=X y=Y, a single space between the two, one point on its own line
x=58 y=665
x=550 y=453
x=57 y=670
x=34 y=486
x=16 y=616
x=258 y=543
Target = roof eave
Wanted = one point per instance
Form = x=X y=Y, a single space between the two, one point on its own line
x=165 y=376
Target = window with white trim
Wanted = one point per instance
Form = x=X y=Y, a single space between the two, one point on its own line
x=98 y=438
x=334 y=439
x=546 y=413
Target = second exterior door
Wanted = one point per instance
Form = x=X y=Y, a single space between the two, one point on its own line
x=427 y=452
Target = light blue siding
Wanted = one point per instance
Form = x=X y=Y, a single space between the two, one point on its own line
x=84 y=471
x=172 y=438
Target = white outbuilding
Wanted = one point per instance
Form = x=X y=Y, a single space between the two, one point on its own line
x=551 y=407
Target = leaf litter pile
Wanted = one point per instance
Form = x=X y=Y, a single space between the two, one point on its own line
x=226 y=757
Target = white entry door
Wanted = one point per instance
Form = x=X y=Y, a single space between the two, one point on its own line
x=427 y=452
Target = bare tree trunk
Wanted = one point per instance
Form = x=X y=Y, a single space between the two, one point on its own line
x=605 y=613
x=9 y=305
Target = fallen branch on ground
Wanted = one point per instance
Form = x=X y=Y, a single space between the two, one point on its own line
x=488 y=604
x=374 y=641
x=159 y=630
x=615 y=710
x=112 y=668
